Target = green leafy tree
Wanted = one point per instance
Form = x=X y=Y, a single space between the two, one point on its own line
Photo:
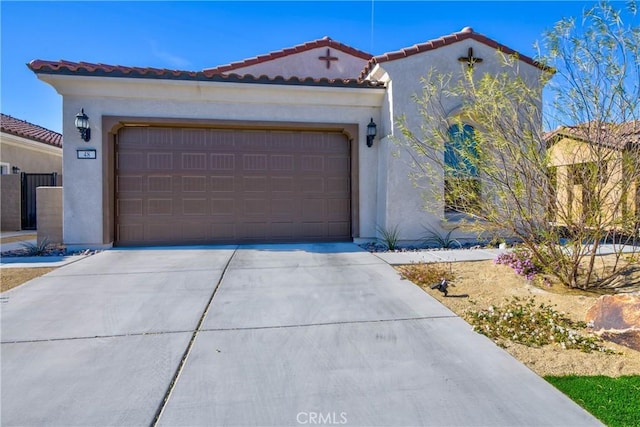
x=492 y=167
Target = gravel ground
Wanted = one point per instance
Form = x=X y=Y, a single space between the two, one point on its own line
x=489 y=284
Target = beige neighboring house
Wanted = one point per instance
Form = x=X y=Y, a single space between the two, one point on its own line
x=268 y=149
x=590 y=159
x=29 y=148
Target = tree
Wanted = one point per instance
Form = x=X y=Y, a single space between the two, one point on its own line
x=499 y=171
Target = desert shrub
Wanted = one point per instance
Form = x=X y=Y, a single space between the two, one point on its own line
x=426 y=274
x=36 y=249
x=523 y=322
x=389 y=237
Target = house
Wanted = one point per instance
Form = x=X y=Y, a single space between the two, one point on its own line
x=276 y=148
x=595 y=173
x=28 y=149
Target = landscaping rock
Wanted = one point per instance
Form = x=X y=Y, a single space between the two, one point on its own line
x=617 y=318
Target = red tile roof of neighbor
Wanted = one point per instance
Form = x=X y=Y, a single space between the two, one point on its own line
x=323 y=42
x=623 y=135
x=464 y=34
x=28 y=130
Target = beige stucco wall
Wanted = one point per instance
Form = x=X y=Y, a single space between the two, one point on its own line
x=404 y=201
x=30 y=156
x=10 y=211
x=49 y=214
x=566 y=152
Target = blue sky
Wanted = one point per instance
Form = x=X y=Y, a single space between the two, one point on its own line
x=197 y=35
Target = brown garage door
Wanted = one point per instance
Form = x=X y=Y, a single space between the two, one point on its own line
x=192 y=186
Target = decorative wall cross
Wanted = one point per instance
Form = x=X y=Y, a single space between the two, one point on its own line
x=328 y=58
x=470 y=59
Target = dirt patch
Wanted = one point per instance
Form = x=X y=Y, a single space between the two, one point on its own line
x=489 y=284
x=12 y=277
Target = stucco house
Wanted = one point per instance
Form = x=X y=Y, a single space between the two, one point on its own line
x=600 y=160
x=268 y=149
x=30 y=149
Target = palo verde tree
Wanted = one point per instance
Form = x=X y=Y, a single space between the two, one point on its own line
x=562 y=193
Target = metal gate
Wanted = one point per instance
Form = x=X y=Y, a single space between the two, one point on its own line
x=29 y=183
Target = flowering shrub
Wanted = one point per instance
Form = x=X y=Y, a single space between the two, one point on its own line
x=524 y=323
x=521 y=260
x=426 y=274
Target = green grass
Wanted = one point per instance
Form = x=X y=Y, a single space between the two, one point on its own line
x=614 y=401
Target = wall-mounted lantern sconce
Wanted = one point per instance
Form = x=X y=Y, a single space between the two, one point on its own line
x=371 y=132
x=15 y=170
x=82 y=123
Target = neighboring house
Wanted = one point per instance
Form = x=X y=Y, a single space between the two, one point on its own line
x=269 y=149
x=25 y=149
x=591 y=165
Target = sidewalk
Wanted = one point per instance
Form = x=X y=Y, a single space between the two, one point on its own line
x=463 y=255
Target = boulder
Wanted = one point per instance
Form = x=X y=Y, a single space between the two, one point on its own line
x=617 y=318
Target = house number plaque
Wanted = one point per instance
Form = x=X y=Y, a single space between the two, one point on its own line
x=86 y=154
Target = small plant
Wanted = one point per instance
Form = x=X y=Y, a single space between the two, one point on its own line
x=521 y=260
x=390 y=237
x=36 y=249
x=426 y=274
x=433 y=238
x=522 y=322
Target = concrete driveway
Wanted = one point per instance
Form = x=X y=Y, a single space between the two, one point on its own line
x=256 y=335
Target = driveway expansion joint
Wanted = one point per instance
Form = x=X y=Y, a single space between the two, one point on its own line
x=187 y=352
x=93 y=337
x=346 y=322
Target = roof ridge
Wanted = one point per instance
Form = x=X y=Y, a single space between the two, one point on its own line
x=23 y=128
x=325 y=41
x=464 y=34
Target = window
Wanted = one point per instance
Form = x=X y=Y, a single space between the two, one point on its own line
x=461 y=182
x=4 y=168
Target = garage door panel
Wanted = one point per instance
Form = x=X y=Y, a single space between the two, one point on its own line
x=194 y=184
x=194 y=161
x=312 y=185
x=222 y=162
x=195 y=207
x=160 y=161
x=160 y=233
x=231 y=186
x=131 y=161
x=314 y=209
x=128 y=207
x=255 y=184
x=223 y=184
x=157 y=207
x=160 y=184
x=132 y=184
x=337 y=229
x=317 y=230
x=223 y=206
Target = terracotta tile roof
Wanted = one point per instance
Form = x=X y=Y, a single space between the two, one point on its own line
x=623 y=135
x=464 y=34
x=103 y=70
x=323 y=42
x=28 y=130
